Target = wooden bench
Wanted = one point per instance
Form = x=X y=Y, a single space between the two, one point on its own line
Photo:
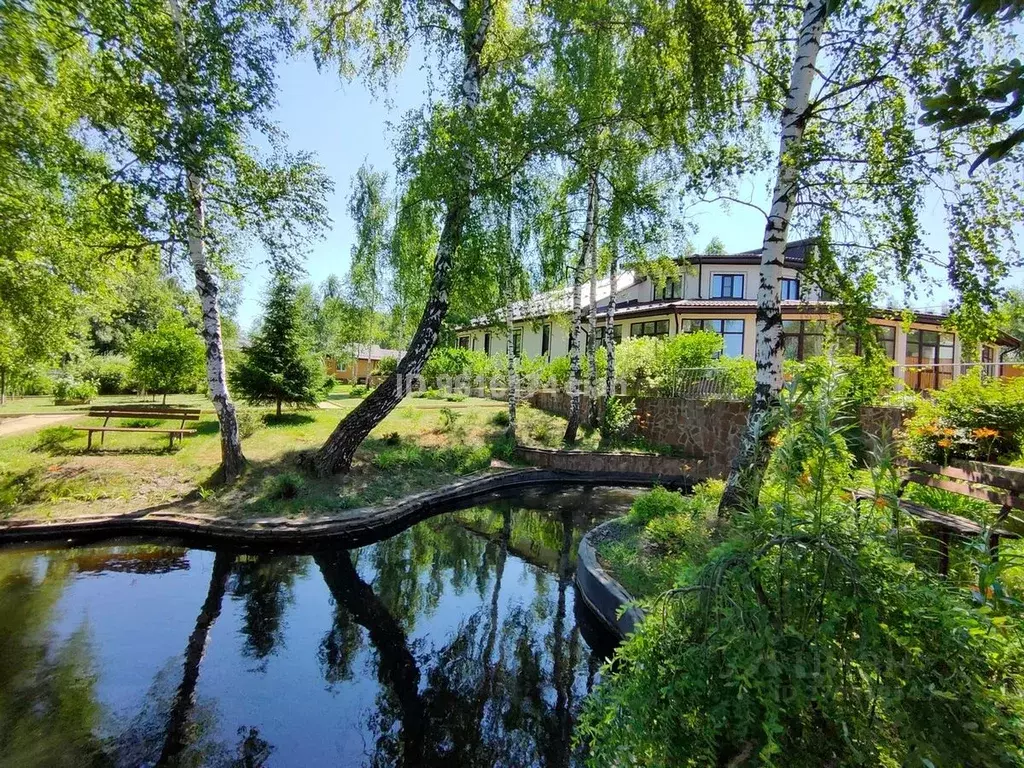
x=162 y=412
x=1003 y=486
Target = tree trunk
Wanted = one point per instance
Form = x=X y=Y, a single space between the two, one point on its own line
x=176 y=738
x=3 y=386
x=592 y=331
x=336 y=454
x=279 y=407
x=164 y=402
x=513 y=372
x=574 y=335
x=232 y=458
x=609 y=322
x=744 y=484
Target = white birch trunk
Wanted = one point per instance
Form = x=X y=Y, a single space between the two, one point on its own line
x=592 y=332
x=744 y=484
x=337 y=453
x=572 y=427
x=232 y=458
x=513 y=372
x=609 y=323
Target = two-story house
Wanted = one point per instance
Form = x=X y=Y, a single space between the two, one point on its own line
x=718 y=293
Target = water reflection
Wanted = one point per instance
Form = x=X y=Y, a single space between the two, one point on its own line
x=455 y=642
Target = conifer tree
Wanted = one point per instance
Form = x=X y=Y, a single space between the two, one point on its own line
x=278 y=365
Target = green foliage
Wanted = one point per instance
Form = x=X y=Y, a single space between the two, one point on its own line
x=359 y=391
x=68 y=389
x=449 y=418
x=171 y=358
x=805 y=637
x=112 y=374
x=54 y=438
x=249 y=422
x=287 y=485
x=500 y=419
x=278 y=366
x=458 y=459
x=446 y=364
x=385 y=366
x=657 y=502
x=856 y=380
x=685 y=364
x=971 y=418
x=618 y=420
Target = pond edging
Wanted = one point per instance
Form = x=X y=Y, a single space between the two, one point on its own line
x=605 y=597
x=351 y=527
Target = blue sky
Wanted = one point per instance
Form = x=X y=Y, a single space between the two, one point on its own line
x=343 y=124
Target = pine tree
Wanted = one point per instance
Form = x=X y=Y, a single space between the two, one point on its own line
x=278 y=365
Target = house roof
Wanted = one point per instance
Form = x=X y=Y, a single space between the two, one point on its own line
x=796 y=252
x=373 y=352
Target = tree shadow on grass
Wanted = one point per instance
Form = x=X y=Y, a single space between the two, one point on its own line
x=206 y=428
x=288 y=419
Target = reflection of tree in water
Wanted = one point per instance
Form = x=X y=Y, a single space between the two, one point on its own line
x=501 y=691
x=264 y=583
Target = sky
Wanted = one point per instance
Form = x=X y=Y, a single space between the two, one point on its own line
x=343 y=124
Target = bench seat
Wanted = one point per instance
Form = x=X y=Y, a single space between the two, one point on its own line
x=177 y=432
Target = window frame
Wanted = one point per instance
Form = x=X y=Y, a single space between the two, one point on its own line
x=676 y=285
x=720 y=277
x=487 y=344
x=785 y=281
x=888 y=345
x=517 y=342
x=802 y=336
x=937 y=370
x=643 y=334
x=601 y=332
x=463 y=342
x=545 y=340
x=702 y=324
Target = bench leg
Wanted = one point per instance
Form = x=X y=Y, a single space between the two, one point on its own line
x=171 y=436
x=88 y=441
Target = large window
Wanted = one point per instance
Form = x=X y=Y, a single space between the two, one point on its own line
x=727 y=286
x=649 y=328
x=545 y=340
x=602 y=332
x=672 y=289
x=463 y=342
x=731 y=332
x=517 y=342
x=487 y=344
x=885 y=335
x=790 y=289
x=803 y=338
x=929 y=359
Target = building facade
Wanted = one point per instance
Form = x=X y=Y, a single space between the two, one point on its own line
x=718 y=293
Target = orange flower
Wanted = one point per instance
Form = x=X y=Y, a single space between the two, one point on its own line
x=948 y=431
x=985 y=432
x=945 y=443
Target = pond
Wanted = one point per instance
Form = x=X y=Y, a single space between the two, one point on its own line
x=458 y=642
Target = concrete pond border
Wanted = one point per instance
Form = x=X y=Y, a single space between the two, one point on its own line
x=607 y=599
x=348 y=528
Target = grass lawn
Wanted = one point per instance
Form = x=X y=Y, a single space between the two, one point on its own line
x=44 y=403
x=423 y=443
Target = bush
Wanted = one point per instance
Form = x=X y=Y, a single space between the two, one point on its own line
x=70 y=390
x=676 y=534
x=619 y=418
x=359 y=391
x=459 y=459
x=500 y=419
x=448 y=419
x=972 y=418
x=54 y=438
x=385 y=366
x=249 y=422
x=110 y=373
x=656 y=502
x=452 y=362
x=287 y=485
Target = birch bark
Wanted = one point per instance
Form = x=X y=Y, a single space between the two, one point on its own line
x=572 y=427
x=513 y=374
x=592 y=334
x=232 y=458
x=744 y=484
x=609 y=322
x=337 y=453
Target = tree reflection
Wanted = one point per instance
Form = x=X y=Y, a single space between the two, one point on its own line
x=501 y=690
x=264 y=583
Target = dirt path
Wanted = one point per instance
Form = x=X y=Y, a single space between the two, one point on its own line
x=15 y=425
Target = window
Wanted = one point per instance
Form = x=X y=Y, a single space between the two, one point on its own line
x=988 y=358
x=727 y=286
x=649 y=328
x=545 y=340
x=790 y=289
x=885 y=335
x=472 y=342
x=672 y=289
x=602 y=331
x=731 y=332
x=929 y=359
x=803 y=338
x=463 y=342
x=487 y=344
x=517 y=342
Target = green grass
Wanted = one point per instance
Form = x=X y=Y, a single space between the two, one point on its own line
x=408 y=452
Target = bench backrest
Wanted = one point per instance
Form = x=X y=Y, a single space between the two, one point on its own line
x=1003 y=485
x=135 y=412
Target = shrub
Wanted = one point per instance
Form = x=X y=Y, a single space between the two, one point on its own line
x=619 y=418
x=110 y=373
x=249 y=422
x=459 y=459
x=674 y=534
x=504 y=448
x=287 y=485
x=451 y=362
x=140 y=423
x=54 y=438
x=455 y=397
x=500 y=419
x=68 y=389
x=448 y=419
x=385 y=366
x=359 y=391
x=656 y=502
x=544 y=430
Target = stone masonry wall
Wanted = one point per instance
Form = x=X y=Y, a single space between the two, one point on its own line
x=708 y=431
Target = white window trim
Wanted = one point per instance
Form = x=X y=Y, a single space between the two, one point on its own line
x=711 y=284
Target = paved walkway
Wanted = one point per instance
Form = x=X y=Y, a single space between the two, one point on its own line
x=15 y=425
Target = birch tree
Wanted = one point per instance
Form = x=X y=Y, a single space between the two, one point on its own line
x=855 y=168
x=370 y=212
x=184 y=87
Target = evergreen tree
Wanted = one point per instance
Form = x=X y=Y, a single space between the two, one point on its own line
x=278 y=366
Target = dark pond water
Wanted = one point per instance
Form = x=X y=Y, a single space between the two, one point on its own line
x=456 y=642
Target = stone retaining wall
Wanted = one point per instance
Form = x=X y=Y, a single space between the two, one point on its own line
x=609 y=600
x=708 y=430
